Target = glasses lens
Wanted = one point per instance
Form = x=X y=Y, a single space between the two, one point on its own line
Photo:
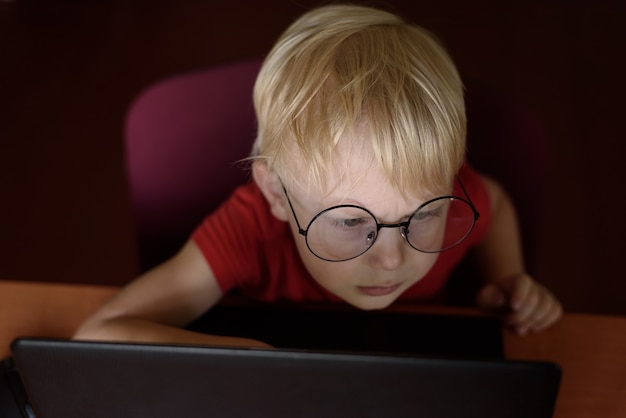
x=440 y=224
x=341 y=233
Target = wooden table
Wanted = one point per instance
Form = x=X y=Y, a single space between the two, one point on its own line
x=591 y=349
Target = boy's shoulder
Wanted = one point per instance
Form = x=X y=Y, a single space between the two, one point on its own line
x=244 y=216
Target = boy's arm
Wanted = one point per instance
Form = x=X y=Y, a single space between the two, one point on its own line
x=532 y=306
x=155 y=306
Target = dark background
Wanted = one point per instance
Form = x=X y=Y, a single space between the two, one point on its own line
x=69 y=70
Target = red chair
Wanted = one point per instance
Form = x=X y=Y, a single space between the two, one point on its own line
x=184 y=136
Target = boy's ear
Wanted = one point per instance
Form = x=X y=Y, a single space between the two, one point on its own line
x=271 y=188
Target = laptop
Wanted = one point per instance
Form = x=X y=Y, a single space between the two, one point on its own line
x=62 y=378
x=344 y=328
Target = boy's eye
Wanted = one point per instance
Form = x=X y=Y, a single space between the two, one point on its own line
x=350 y=223
x=423 y=215
x=426 y=213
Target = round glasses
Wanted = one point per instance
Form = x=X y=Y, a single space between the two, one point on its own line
x=344 y=232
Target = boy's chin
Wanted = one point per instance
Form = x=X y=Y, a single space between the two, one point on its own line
x=372 y=303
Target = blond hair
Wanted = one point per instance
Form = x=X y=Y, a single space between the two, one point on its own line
x=337 y=66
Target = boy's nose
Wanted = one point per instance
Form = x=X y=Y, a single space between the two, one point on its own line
x=387 y=253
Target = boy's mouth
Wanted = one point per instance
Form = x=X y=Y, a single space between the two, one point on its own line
x=378 y=290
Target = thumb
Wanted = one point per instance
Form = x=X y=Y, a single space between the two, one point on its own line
x=491 y=297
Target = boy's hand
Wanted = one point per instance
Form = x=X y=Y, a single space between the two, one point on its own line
x=530 y=305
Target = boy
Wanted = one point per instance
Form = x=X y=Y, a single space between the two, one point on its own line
x=361 y=192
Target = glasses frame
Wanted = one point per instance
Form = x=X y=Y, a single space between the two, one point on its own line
x=402 y=225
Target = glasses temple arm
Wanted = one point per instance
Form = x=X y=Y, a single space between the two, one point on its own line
x=293 y=212
x=469 y=199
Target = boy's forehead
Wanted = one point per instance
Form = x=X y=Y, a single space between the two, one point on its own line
x=353 y=176
x=347 y=165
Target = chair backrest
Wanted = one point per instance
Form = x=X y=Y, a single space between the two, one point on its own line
x=185 y=135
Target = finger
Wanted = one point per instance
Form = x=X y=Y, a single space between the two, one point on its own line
x=522 y=288
x=490 y=297
x=532 y=304
x=547 y=311
x=552 y=315
x=534 y=307
x=529 y=306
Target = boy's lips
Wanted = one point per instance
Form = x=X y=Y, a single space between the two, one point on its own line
x=378 y=290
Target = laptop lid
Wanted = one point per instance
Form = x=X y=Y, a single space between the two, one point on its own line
x=66 y=379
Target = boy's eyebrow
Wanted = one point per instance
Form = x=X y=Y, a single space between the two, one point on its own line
x=352 y=201
x=422 y=198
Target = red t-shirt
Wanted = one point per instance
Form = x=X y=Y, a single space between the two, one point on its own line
x=251 y=250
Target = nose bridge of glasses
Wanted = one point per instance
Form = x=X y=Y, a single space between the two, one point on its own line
x=402 y=225
x=389 y=244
